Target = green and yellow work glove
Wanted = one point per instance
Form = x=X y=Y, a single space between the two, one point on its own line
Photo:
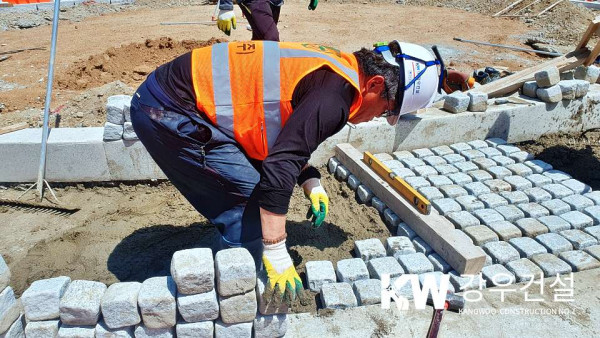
x=284 y=281
x=226 y=21
x=319 y=201
x=312 y=4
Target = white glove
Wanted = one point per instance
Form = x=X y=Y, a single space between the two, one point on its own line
x=281 y=271
x=226 y=21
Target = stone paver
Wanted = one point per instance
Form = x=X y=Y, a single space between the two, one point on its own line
x=554 y=223
x=417 y=182
x=481 y=234
x=521 y=156
x=594 y=231
x=446 y=205
x=442 y=150
x=415 y=263
x=594 y=196
x=406 y=231
x=367 y=291
x=465 y=166
x=554 y=243
x=439 y=181
x=538 y=166
x=491 y=152
x=514 y=197
x=533 y=210
x=477 y=188
x=593 y=250
x=480 y=175
x=319 y=273
x=4 y=274
x=460 y=179
x=238 y=308
x=463 y=219
x=527 y=247
x=510 y=212
x=157 y=303
x=446 y=169
x=505 y=230
x=435 y=161
x=524 y=270
x=353 y=182
x=503 y=160
x=403 y=172
x=495 y=141
x=369 y=248
x=577 y=219
x=499 y=172
x=399 y=155
x=422 y=246
x=80 y=304
x=142 y=331
x=411 y=162
x=378 y=204
x=557 y=190
x=496 y=185
x=41 y=300
x=466 y=282
x=422 y=152
x=496 y=275
x=391 y=219
x=198 y=307
x=341 y=173
x=103 y=331
x=453 y=191
x=399 y=245
x=579 y=260
x=364 y=194
x=454 y=158
x=485 y=163
x=469 y=203
x=556 y=207
x=42 y=329
x=9 y=309
x=501 y=252
x=557 y=176
x=531 y=227
x=338 y=296
x=594 y=213
x=539 y=180
x=351 y=270
x=431 y=193
x=551 y=265
x=577 y=186
x=439 y=264
x=520 y=169
x=269 y=326
x=478 y=144
x=488 y=216
x=461 y=146
x=385 y=265
x=537 y=195
x=579 y=239
x=120 y=305
x=578 y=202
x=492 y=200
x=425 y=171
x=235 y=271
x=507 y=149
x=239 y=330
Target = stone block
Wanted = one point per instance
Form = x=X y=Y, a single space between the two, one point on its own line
x=465 y=167
x=378 y=204
x=551 y=265
x=577 y=219
x=556 y=206
x=195 y=330
x=319 y=273
x=103 y=331
x=193 y=270
x=422 y=152
x=485 y=163
x=453 y=191
x=593 y=250
x=112 y=132
x=469 y=203
x=507 y=149
x=514 y=197
x=496 y=185
x=403 y=172
x=492 y=200
x=460 y=179
x=446 y=169
x=119 y=305
x=524 y=270
x=399 y=245
x=16 y=330
x=238 y=308
x=539 y=180
x=533 y=210
x=547 y=77
x=353 y=182
x=434 y=161
x=520 y=169
x=239 y=330
x=531 y=227
x=391 y=219
x=594 y=231
x=480 y=234
x=446 y=205
x=579 y=239
x=460 y=147
x=501 y=252
x=368 y=249
x=80 y=304
x=461 y=234
x=537 y=195
x=68 y=331
x=527 y=247
x=472 y=154
x=568 y=89
x=554 y=243
x=491 y=152
x=198 y=307
x=338 y=296
x=488 y=216
x=530 y=88
x=412 y=162
x=498 y=172
x=425 y=171
x=129 y=160
x=518 y=182
x=4 y=274
x=332 y=165
x=478 y=144
x=157 y=303
x=9 y=309
x=128 y=132
x=265 y=304
x=383 y=157
x=557 y=176
x=416 y=263
x=399 y=155
x=364 y=194
x=480 y=175
x=466 y=282
x=442 y=150
x=437 y=275
x=406 y=231
x=505 y=230
x=494 y=142
x=42 y=329
x=510 y=212
x=554 y=223
x=367 y=291
x=42 y=299
x=439 y=180
x=341 y=173
x=589 y=74
x=417 y=182
x=567 y=75
x=235 y=271
x=577 y=186
x=538 y=166
x=477 y=101
x=115 y=108
x=497 y=275
x=578 y=202
x=422 y=246
x=454 y=158
x=272 y=326
x=457 y=102
x=439 y=264
x=579 y=260
x=353 y=269
x=502 y=160
x=594 y=196
x=477 y=188
x=463 y=219
x=385 y=265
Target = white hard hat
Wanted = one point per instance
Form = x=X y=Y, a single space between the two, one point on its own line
x=419 y=77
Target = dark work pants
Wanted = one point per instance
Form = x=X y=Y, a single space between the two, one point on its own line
x=204 y=164
x=262 y=16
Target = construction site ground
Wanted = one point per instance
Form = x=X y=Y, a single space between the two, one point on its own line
x=130 y=231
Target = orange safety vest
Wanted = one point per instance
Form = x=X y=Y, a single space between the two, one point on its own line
x=245 y=88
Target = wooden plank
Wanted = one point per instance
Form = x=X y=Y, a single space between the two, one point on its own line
x=589 y=33
x=524 y=8
x=550 y=7
x=13 y=127
x=435 y=229
x=511 y=6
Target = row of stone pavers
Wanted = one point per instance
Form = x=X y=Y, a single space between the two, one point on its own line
x=118 y=119
x=186 y=304
x=552 y=86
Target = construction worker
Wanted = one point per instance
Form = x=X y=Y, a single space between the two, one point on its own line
x=262 y=15
x=233 y=126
